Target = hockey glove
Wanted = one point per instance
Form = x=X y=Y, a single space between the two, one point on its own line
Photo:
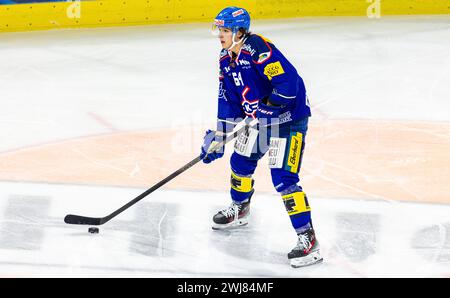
x=268 y=113
x=209 y=142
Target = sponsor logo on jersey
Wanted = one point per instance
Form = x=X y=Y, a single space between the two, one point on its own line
x=285 y=117
x=273 y=69
x=237 y=13
x=249 y=107
x=263 y=57
x=222 y=91
x=223 y=53
x=242 y=62
x=249 y=49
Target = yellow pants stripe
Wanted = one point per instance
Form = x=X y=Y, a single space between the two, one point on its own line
x=295 y=149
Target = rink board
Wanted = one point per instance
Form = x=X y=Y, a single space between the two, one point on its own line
x=42 y=16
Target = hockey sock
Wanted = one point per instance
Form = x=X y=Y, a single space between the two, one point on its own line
x=241 y=187
x=298 y=209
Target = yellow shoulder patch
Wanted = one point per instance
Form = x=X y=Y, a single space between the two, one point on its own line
x=273 y=69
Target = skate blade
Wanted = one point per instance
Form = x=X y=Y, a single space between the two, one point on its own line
x=230 y=226
x=311 y=259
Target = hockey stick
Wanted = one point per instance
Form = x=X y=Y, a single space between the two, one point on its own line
x=96 y=221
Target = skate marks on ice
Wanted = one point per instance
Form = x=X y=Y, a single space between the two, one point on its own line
x=388 y=239
x=152 y=229
x=363 y=229
x=169 y=235
x=433 y=243
x=24 y=221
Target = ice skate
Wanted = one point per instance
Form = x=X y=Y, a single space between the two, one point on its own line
x=234 y=216
x=307 y=250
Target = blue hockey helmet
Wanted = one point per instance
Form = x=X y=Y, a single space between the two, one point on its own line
x=233 y=18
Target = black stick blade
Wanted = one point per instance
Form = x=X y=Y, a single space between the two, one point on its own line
x=82 y=220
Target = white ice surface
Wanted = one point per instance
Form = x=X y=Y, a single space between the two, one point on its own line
x=56 y=85
x=169 y=235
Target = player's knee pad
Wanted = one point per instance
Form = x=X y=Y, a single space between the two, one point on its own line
x=241 y=187
x=298 y=209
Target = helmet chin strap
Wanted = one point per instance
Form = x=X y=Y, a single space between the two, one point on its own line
x=234 y=42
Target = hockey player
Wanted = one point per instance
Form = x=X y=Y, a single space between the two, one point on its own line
x=257 y=82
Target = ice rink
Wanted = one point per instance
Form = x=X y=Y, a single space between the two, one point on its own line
x=91 y=118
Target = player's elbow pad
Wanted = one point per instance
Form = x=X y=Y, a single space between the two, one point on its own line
x=284 y=94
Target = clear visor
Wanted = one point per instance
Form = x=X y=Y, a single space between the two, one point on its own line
x=217 y=24
x=215 y=29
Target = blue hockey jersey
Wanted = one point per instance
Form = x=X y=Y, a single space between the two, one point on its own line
x=259 y=72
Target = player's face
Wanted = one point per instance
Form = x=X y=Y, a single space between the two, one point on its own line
x=226 y=37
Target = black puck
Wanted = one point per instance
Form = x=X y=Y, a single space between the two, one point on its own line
x=93 y=230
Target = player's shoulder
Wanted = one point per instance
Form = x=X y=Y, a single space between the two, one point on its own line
x=259 y=47
x=223 y=55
